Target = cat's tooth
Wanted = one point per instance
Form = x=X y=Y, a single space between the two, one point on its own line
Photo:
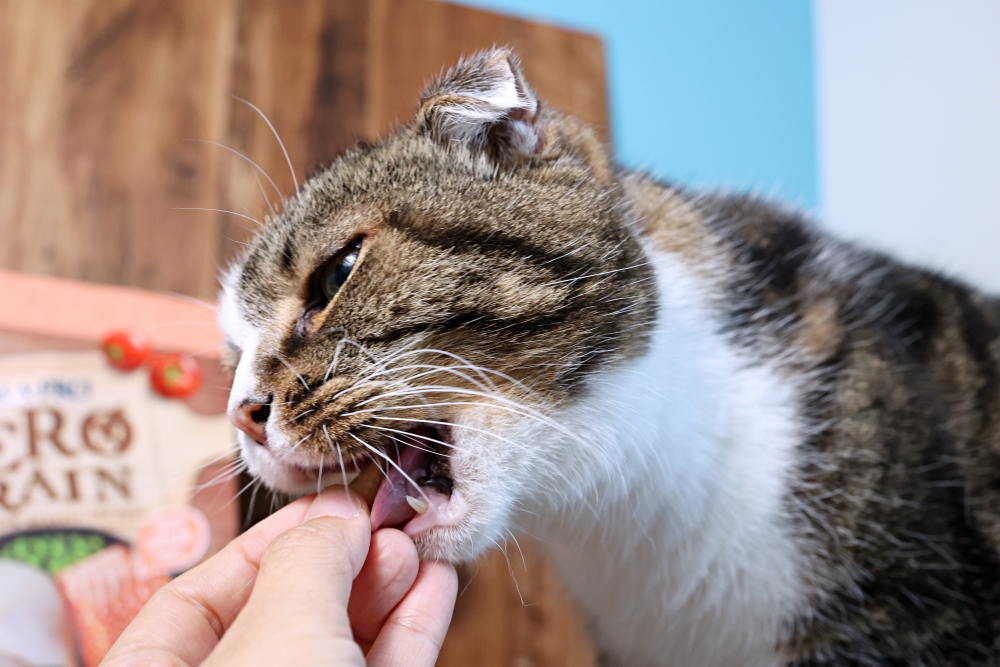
x=419 y=506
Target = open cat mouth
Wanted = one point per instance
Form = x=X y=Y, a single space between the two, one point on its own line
x=412 y=489
x=416 y=483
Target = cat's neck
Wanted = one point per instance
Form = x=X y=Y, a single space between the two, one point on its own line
x=689 y=513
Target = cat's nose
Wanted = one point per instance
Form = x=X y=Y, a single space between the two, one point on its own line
x=251 y=418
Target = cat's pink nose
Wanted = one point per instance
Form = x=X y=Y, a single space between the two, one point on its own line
x=251 y=418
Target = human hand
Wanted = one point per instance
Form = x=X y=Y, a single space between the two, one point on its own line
x=309 y=585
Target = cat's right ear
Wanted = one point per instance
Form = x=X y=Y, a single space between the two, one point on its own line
x=485 y=104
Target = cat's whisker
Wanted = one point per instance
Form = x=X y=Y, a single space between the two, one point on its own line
x=231 y=451
x=240 y=493
x=232 y=463
x=447 y=389
x=274 y=403
x=534 y=416
x=340 y=458
x=299 y=416
x=292 y=368
x=275 y=132
x=252 y=163
x=434 y=370
x=399 y=441
x=218 y=210
x=267 y=199
x=257 y=484
x=594 y=275
x=510 y=569
x=431 y=422
x=181 y=323
x=247 y=209
x=378 y=464
x=383 y=365
x=419 y=390
x=524 y=562
x=361 y=348
x=482 y=371
x=198 y=353
x=304 y=438
x=336 y=356
x=319 y=477
x=231 y=472
x=431 y=369
x=403 y=348
x=415 y=435
x=219 y=478
x=332 y=368
x=193 y=300
x=613 y=250
x=439 y=405
x=377 y=363
x=570 y=252
x=231 y=448
x=393 y=464
x=244 y=243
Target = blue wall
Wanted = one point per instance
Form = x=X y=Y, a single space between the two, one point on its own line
x=714 y=93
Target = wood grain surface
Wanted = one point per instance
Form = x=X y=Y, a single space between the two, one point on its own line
x=119 y=117
x=96 y=99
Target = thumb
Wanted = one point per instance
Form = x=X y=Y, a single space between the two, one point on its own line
x=297 y=613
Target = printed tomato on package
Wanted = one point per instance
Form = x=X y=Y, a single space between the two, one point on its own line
x=114 y=460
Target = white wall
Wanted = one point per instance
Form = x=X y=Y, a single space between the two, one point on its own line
x=909 y=129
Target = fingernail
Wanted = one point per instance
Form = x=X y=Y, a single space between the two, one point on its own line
x=334 y=502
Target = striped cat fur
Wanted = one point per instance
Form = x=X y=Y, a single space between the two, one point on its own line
x=742 y=441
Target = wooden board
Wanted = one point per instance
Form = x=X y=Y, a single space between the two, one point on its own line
x=110 y=116
x=96 y=100
x=513 y=612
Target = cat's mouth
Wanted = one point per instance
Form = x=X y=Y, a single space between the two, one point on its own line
x=416 y=482
x=411 y=488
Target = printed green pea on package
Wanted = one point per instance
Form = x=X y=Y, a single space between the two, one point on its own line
x=107 y=488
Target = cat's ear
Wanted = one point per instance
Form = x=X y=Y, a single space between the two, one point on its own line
x=485 y=103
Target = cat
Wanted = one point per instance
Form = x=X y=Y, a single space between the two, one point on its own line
x=741 y=440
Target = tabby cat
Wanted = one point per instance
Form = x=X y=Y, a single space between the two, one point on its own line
x=741 y=441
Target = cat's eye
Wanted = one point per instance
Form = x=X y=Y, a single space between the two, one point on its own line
x=334 y=274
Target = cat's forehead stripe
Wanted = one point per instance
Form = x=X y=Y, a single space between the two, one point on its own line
x=558 y=256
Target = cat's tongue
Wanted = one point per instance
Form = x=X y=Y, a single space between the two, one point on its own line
x=391 y=507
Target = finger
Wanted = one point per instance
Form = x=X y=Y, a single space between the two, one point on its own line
x=415 y=630
x=386 y=577
x=297 y=612
x=197 y=607
x=187 y=617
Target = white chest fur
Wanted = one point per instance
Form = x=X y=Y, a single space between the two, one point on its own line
x=680 y=552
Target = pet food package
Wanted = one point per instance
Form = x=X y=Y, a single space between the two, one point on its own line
x=111 y=482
